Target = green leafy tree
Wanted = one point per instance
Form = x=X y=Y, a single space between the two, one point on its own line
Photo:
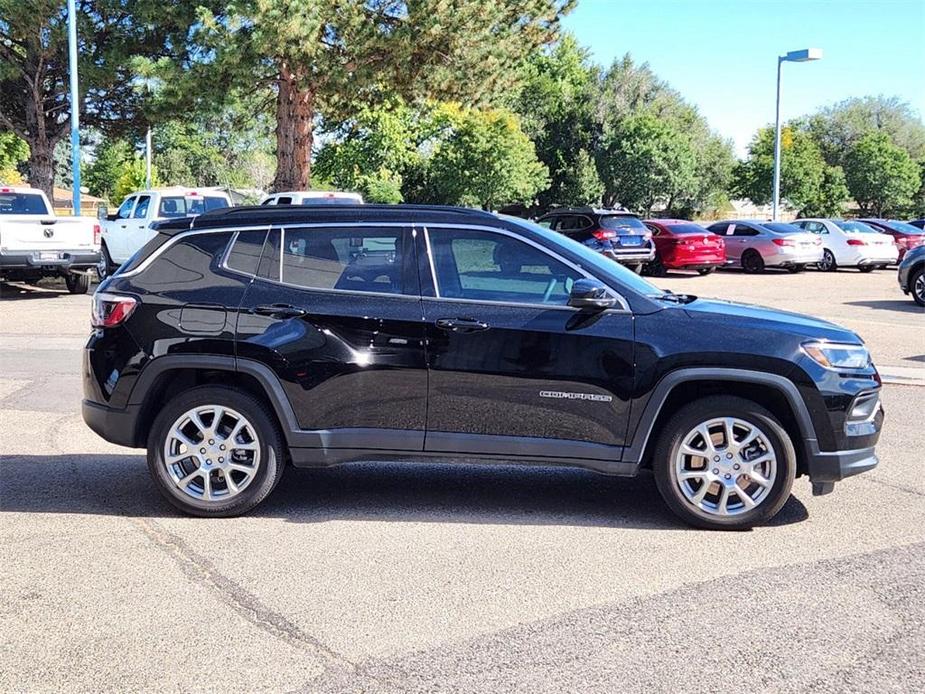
x=132 y=178
x=881 y=176
x=13 y=152
x=838 y=128
x=556 y=107
x=482 y=158
x=832 y=195
x=102 y=175
x=646 y=161
x=331 y=57
x=34 y=100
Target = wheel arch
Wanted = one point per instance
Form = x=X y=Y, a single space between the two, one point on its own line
x=776 y=393
x=167 y=376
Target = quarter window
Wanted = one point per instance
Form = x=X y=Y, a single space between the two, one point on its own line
x=485 y=266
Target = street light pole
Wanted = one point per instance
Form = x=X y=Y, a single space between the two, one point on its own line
x=148 y=159
x=802 y=56
x=75 y=101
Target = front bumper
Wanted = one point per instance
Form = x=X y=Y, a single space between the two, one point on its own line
x=50 y=261
x=827 y=468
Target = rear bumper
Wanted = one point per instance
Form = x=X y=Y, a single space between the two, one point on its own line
x=633 y=257
x=115 y=425
x=791 y=259
x=64 y=261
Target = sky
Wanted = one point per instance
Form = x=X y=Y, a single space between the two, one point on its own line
x=721 y=55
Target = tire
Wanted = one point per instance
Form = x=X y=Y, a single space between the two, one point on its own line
x=105 y=267
x=828 y=263
x=866 y=268
x=706 y=271
x=794 y=269
x=637 y=268
x=669 y=460
x=655 y=268
x=77 y=284
x=752 y=262
x=263 y=461
x=917 y=286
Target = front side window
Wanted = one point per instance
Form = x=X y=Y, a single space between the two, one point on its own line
x=125 y=210
x=485 y=266
x=357 y=260
x=141 y=209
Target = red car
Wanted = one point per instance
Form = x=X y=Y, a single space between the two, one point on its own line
x=905 y=235
x=683 y=245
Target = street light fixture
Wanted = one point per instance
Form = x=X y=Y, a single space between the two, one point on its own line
x=801 y=56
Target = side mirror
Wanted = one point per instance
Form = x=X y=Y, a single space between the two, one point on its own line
x=592 y=294
x=101 y=212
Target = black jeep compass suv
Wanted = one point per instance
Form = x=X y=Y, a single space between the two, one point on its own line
x=247 y=339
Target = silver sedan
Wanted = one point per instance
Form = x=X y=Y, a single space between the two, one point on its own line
x=754 y=245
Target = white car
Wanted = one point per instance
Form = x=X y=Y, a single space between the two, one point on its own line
x=129 y=228
x=314 y=197
x=849 y=243
x=34 y=243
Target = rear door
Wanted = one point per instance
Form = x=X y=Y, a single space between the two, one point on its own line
x=335 y=311
x=513 y=369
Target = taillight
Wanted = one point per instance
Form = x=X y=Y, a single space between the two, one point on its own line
x=784 y=242
x=604 y=234
x=96 y=234
x=857 y=242
x=109 y=310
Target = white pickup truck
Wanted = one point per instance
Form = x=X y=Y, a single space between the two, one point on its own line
x=34 y=243
x=129 y=228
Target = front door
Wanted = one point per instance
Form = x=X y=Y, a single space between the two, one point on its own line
x=336 y=312
x=513 y=369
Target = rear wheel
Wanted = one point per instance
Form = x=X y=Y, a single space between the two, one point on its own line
x=215 y=452
x=724 y=462
x=917 y=285
x=827 y=264
x=77 y=284
x=706 y=270
x=636 y=268
x=752 y=262
x=866 y=268
x=655 y=268
x=105 y=267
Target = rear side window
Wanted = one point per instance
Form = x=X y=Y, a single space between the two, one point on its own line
x=141 y=209
x=244 y=255
x=357 y=260
x=782 y=228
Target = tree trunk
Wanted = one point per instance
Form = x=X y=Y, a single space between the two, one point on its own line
x=295 y=112
x=41 y=165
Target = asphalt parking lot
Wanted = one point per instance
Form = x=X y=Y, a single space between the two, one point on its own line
x=428 y=578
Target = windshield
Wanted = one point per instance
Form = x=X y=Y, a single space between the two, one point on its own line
x=22 y=203
x=621 y=223
x=592 y=260
x=687 y=229
x=852 y=227
x=177 y=206
x=781 y=228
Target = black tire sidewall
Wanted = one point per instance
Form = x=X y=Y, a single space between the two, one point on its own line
x=723 y=406
x=913 y=278
x=77 y=284
x=758 y=265
x=272 y=451
x=833 y=266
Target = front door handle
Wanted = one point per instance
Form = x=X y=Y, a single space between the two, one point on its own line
x=279 y=311
x=461 y=325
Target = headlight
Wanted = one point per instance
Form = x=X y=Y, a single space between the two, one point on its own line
x=834 y=355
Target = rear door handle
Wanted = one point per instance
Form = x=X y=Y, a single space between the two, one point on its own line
x=461 y=325
x=279 y=311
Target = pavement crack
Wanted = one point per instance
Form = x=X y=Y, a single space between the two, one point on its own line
x=200 y=570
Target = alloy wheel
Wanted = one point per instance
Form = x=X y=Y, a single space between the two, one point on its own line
x=725 y=466
x=212 y=453
x=828 y=261
x=918 y=287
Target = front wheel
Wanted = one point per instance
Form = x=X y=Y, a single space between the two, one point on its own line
x=77 y=284
x=917 y=285
x=827 y=264
x=752 y=262
x=724 y=462
x=215 y=452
